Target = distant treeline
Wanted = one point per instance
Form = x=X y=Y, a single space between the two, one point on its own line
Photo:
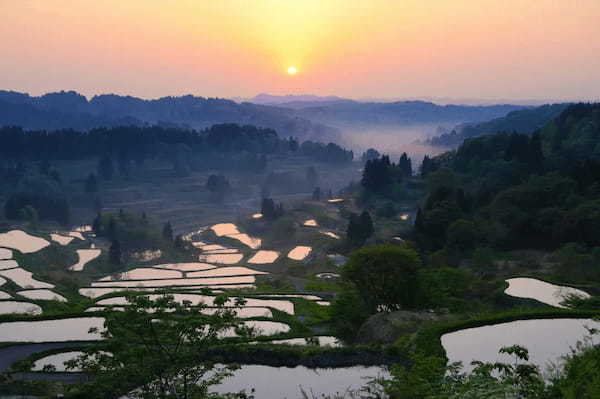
x=138 y=144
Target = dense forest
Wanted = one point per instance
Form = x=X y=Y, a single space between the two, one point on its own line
x=518 y=191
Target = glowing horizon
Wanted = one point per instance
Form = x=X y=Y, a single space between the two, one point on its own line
x=510 y=49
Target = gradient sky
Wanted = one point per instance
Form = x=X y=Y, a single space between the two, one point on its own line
x=511 y=49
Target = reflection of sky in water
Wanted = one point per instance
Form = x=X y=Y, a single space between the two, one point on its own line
x=546 y=340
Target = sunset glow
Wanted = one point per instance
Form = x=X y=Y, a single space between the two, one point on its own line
x=292 y=70
x=357 y=49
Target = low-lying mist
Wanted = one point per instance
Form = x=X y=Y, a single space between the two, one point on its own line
x=392 y=141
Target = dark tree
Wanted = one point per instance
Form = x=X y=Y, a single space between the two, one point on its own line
x=405 y=165
x=114 y=252
x=369 y=155
x=167 y=232
x=377 y=174
x=316 y=196
x=360 y=228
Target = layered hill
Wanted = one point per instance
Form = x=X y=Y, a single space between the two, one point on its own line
x=521 y=121
x=72 y=110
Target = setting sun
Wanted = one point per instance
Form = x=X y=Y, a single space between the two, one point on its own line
x=292 y=70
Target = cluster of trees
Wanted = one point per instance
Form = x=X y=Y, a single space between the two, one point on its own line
x=132 y=232
x=382 y=176
x=511 y=191
x=386 y=278
x=38 y=197
x=270 y=210
x=326 y=153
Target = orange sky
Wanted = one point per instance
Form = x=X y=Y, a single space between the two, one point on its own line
x=515 y=49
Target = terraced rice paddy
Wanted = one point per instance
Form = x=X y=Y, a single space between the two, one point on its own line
x=209 y=281
x=59 y=330
x=208 y=300
x=22 y=242
x=14 y=307
x=251 y=242
x=42 y=294
x=225 y=271
x=62 y=240
x=5 y=253
x=57 y=362
x=299 y=253
x=144 y=274
x=23 y=278
x=77 y=234
x=541 y=291
x=264 y=257
x=322 y=341
x=85 y=256
x=546 y=340
x=224 y=229
x=8 y=264
x=327 y=276
x=186 y=267
x=330 y=234
x=225 y=259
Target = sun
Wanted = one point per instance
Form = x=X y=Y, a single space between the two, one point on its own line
x=292 y=70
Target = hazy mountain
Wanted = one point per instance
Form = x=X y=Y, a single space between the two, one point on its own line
x=352 y=114
x=72 y=110
x=521 y=121
x=270 y=99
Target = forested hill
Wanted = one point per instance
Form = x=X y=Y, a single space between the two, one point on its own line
x=511 y=191
x=71 y=110
x=521 y=121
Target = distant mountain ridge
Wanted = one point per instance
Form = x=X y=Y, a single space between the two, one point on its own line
x=520 y=121
x=352 y=114
x=271 y=99
x=306 y=117
x=69 y=109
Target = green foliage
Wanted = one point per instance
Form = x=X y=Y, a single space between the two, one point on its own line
x=385 y=277
x=157 y=347
x=133 y=231
x=517 y=191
